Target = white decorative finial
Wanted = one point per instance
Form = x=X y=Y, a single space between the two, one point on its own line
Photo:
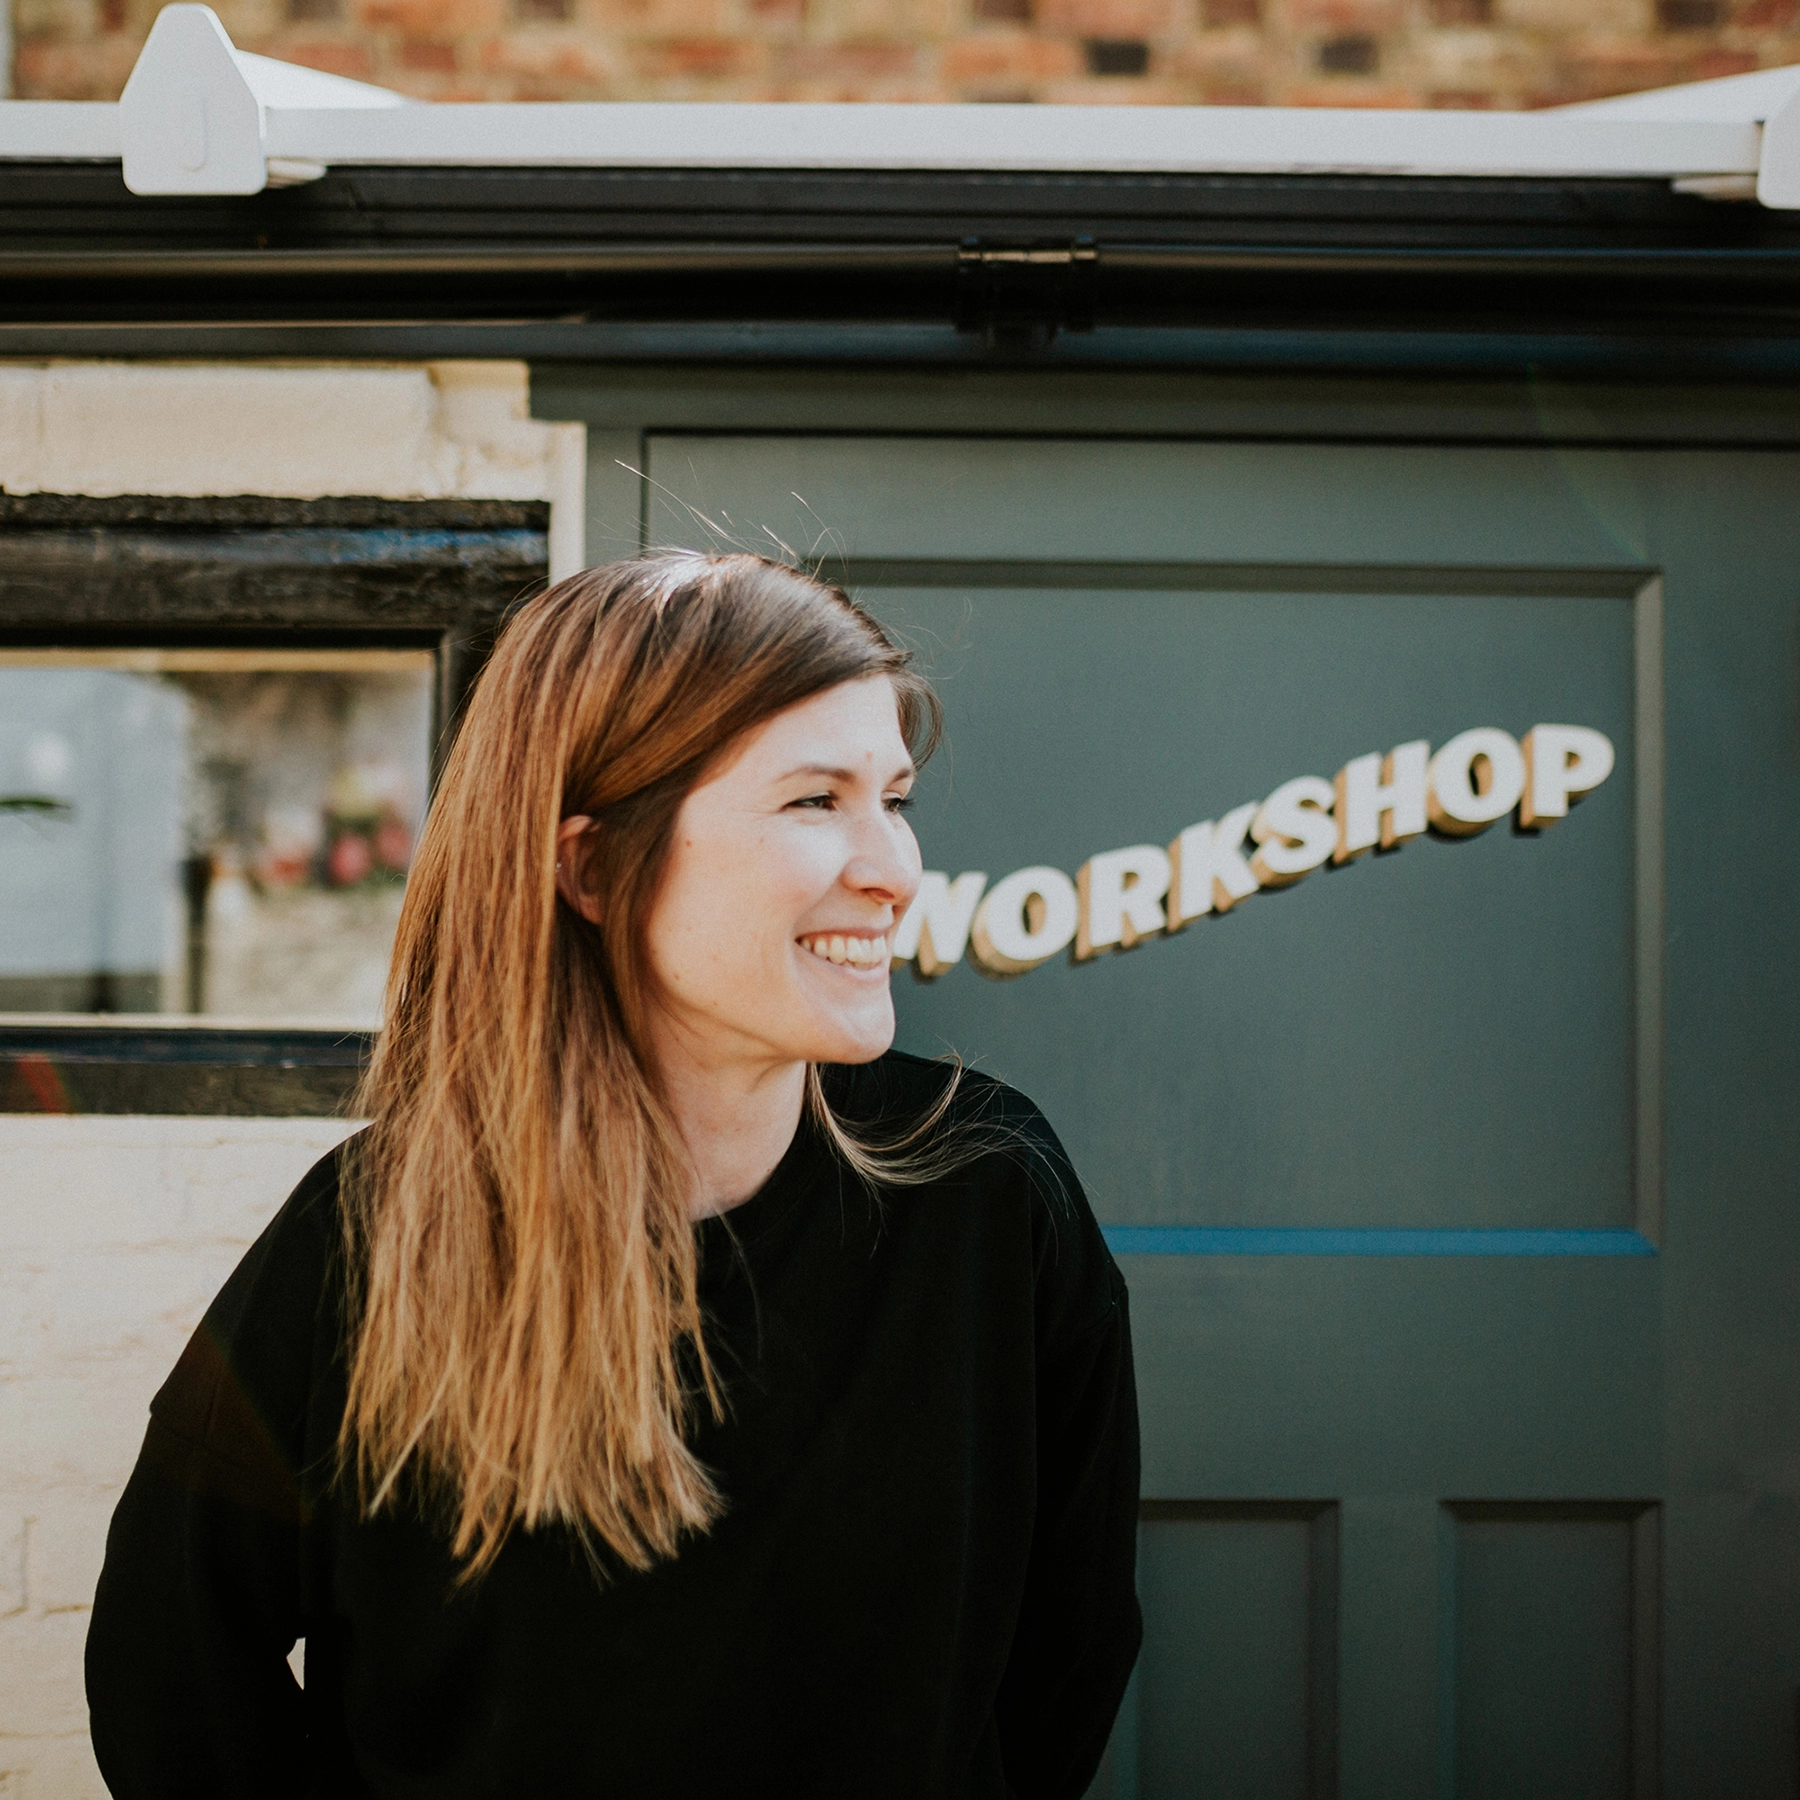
x=193 y=116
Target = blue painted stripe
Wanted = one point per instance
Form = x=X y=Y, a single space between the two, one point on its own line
x=1247 y=1240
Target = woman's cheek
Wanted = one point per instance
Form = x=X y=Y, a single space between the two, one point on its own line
x=812 y=867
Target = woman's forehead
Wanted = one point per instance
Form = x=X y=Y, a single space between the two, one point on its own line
x=854 y=726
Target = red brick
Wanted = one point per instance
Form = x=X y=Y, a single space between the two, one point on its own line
x=1105 y=91
x=848 y=64
x=1711 y=65
x=717 y=58
x=1107 y=18
x=1233 y=58
x=96 y=70
x=439 y=59
x=1334 y=17
x=430 y=18
x=661 y=18
x=550 y=62
x=996 y=59
x=349 y=59
x=1346 y=93
x=54 y=21
x=1619 y=69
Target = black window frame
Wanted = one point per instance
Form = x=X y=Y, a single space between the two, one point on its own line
x=138 y=572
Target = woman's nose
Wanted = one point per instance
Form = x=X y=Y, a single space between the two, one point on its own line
x=884 y=862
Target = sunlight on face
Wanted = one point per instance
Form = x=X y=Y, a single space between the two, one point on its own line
x=791 y=865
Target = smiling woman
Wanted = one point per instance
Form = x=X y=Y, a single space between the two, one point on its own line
x=798 y=839
x=674 y=1390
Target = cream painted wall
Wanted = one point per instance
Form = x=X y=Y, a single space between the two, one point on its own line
x=114 y=1235
x=402 y=431
x=116 y=1232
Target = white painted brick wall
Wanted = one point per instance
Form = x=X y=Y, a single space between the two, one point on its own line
x=405 y=430
x=114 y=1235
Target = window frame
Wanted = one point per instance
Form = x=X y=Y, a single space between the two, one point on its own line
x=136 y=572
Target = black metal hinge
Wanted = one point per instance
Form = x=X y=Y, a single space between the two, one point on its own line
x=1021 y=296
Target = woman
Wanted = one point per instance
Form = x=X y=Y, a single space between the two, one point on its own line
x=673 y=1391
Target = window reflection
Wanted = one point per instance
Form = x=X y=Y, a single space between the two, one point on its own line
x=223 y=832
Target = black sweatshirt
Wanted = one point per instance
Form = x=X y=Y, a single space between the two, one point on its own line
x=921 y=1586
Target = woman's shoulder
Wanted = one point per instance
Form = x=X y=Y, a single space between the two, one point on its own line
x=299 y=1250
x=258 y=1338
x=899 y=1089
x=965 y=1124
x=997 y=1150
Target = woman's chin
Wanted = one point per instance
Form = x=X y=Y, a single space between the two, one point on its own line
x=858 y=1037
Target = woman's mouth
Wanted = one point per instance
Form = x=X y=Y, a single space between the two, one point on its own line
x=842 y=947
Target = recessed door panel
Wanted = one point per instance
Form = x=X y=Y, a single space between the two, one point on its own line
x=1236 y=1699
x=1436 y=1035
x=1552 y=1689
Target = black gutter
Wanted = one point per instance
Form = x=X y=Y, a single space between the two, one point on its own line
x=1776 y=268
x=1608 y=276
x=828 y=345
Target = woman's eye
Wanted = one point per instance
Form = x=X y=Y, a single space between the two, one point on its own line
x=820 y=802
x=899 y=803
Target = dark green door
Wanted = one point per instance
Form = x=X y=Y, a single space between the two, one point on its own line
x=1454 y=1180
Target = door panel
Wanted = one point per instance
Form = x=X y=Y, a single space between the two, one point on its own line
x=1437 y=1036
x=1549 y=1604
x=1238 y=1692
x=1460 y=1323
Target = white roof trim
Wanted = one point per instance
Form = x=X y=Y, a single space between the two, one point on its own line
x=199 y=116
x=1224 y=139
x=59 y=130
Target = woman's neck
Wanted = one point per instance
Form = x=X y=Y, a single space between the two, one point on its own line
x=736 y=1121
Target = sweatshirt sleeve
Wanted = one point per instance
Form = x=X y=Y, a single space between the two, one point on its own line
x=1079 y=1627
x=199 y=1601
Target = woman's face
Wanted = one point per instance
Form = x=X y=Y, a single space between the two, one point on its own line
x=791 y=865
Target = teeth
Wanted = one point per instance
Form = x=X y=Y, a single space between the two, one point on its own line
x=859 y=952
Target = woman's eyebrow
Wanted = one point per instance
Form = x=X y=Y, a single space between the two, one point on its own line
x=904 y=772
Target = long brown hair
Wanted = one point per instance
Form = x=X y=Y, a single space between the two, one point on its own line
x=525 y=1334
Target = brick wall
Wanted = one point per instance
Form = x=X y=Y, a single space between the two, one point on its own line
x=114 y=1235
x=1505 y=53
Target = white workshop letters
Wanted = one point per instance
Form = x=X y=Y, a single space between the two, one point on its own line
x=1123 y=897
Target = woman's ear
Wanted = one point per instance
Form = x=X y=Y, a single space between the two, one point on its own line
x=572 y=846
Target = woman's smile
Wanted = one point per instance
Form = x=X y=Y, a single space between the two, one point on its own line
x=855 y=949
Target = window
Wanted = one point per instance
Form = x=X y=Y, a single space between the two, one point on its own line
x=208 y=831
x=219 y=720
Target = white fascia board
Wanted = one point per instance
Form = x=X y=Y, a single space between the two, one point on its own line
x=1113 y=139
x=59 y=131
